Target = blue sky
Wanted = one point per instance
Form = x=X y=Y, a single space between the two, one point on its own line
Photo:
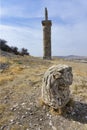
x=20 y=25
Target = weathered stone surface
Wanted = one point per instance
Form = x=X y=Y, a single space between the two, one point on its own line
x=46 y=36
x=55 y=86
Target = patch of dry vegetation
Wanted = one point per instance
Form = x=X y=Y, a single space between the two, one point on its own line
x=5 y=78
x=21 y=83
x=3 y=59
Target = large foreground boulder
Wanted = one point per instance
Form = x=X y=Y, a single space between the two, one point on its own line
x=55 y=86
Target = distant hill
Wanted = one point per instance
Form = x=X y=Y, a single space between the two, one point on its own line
x=73 y=57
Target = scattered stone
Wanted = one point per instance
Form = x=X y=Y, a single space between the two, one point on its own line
x=47 y=114
x=41 y=119
x=55 y=86
x=35 y=124
x=10 y=92
x=2 y=127
x=23 y=116
x=12 y=121
x=50 y=123
x=39 y=116
x=50 y=116
x=31 y=113
x=30 y=125
x=1 y=70
x=31 y=103
x=54 y=128
x=44 y=107
x=26 y=113
x=18 y=123
x=6 y=97
x=5 y=101
x=73 y=113
x=4 y=66
x=23 y=103
x=28 y=109
x=39 y=128
x=13 y=109
x=15 y=106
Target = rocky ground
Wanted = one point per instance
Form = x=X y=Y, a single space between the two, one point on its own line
x=20 y=96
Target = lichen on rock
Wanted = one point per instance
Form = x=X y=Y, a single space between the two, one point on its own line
x=55 y=86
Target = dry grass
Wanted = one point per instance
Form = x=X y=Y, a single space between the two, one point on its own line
x=2 y=108
x=24 y=77
x=17 y=127
x=5 y=78
x=3 y=59
x=15 y=69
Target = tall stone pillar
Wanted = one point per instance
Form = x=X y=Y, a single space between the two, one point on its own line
x=46 y=36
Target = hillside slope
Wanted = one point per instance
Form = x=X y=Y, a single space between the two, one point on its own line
x=20 y=95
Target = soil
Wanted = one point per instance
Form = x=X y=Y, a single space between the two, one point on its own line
x=21 y=106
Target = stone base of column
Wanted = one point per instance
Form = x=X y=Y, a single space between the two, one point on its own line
x=47 y=58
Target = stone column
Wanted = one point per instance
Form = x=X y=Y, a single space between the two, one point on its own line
x=46 y=36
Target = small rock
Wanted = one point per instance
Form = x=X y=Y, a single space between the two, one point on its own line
x=2 y=128
x=79 y=123
x=23 y=116
x=34 y=87
x=41 y=119
x=50 y=123
x=28 y=109
x=6 y=97
x=50 y=116
x=5 y=101
x=13 y=109
x=30 y=125
x=44 y=107
x=1 y=70
x=35 y=124
x=39 y=128
x=31 y=113
x=54 y=128
x=18 y=123
x=11 y=93
x=86 y=117
x=16 y=105
x=47 y=114
x=31 y=103
x=23 y=104
x=73 y=113
x=26 y=113
x=12 y=121
x=18 y=112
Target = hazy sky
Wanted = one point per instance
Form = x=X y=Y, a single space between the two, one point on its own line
x=20 y=25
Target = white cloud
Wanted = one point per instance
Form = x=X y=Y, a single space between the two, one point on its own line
x=69 y=40
x=23 y=37
x=68 y=37
x=66 y=40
